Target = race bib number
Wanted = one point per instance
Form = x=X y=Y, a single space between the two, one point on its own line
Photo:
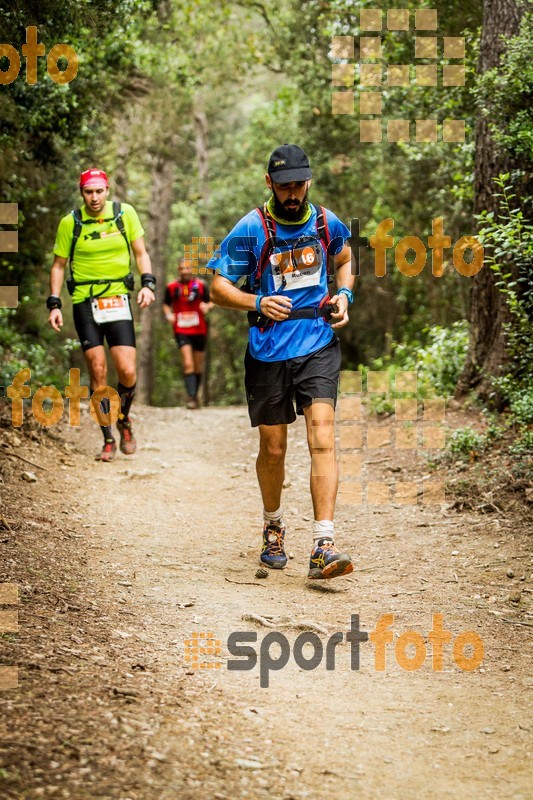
x=299 y=267
x=110 y=309
x=188 y=319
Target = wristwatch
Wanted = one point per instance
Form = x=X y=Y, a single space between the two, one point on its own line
x=148 y=281
x=347 y=292
x=53 y=302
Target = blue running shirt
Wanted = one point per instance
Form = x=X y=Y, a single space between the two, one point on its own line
x=304 y=282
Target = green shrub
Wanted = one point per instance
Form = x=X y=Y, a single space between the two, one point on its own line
x=465 y=441
x=18 y=350
x=509 y=239
x=437 y=362
x=523 y=444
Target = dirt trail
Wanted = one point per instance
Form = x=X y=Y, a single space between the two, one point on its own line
x=172 y=545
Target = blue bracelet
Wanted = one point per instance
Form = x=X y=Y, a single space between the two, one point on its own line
x=258 y=302
x=349 y=294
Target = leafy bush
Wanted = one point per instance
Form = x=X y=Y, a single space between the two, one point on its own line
x=19 y=350
x=466 y=441
x=505 y=94
x=437 y=363
x=510 y=240
x=523 y=444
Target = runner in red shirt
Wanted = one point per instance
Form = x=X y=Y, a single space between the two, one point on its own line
x=186 y=306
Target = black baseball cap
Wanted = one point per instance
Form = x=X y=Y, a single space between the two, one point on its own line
x=289 y=163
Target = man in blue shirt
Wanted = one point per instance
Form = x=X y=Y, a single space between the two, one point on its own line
x=285 y=255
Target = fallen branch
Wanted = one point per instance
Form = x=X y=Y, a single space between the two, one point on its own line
x=303 y=625
x=365 y=569
x=516 y=622
x=26 y=460
x=325 y=586
x=338 y=774
x=14 y=743
x=246 y=583
x=379 y=460
x=6 y=524
x=489 y=504
x=455 y=579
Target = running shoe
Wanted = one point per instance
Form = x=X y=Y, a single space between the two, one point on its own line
x=128 y=444
x=108 y=451
x=272 y=553
x=328 y=562
x=192 y=403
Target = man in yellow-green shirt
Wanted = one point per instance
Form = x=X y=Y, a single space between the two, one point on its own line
x=96 y=239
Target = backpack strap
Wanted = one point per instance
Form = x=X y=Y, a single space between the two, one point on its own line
x=76 y=213
x=269 y=228
x=325 y=237
x=200 y=286
x=78 y=224
x=119 y=222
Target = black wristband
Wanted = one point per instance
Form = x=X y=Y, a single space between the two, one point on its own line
x=148 y=281
x=53 y=302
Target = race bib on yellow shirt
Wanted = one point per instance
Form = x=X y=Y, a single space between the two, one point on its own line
x=111 y=309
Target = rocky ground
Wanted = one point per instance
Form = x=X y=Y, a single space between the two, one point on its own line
x=118 y=565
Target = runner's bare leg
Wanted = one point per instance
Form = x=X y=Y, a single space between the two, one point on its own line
x=270 y=464
x=124 y=359
x=97 y=366
x=187 y=360
x=320 y=420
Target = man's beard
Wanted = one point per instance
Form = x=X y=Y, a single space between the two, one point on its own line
x=290 y=214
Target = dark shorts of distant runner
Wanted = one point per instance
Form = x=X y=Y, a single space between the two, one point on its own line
x=92 y=334
x=272 y=386
x=196 y=340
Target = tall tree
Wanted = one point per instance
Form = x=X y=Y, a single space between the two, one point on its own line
x=162 y=182
x=489 y=312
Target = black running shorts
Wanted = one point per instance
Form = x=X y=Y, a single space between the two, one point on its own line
x=91 y=334
x=196 y=340
x=271 y=386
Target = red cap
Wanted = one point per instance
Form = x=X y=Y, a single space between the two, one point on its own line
x=93 y=177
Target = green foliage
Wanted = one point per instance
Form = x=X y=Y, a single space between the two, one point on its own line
x=509 y=243
x=505 y=94
x=49 y=133
x=260 y=74
x=466 y=442
x=437 y=361
x=523 y=444
x=522 y=405
x=20 y=350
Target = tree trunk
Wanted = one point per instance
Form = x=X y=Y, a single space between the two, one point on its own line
x=202 y=159
x=162 y=187
x=121 y=168
x=488 y=308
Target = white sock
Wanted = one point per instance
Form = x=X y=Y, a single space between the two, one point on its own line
x=273 y=516
x=323 y=529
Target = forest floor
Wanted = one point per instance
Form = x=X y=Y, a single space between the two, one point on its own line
x=117 y=565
